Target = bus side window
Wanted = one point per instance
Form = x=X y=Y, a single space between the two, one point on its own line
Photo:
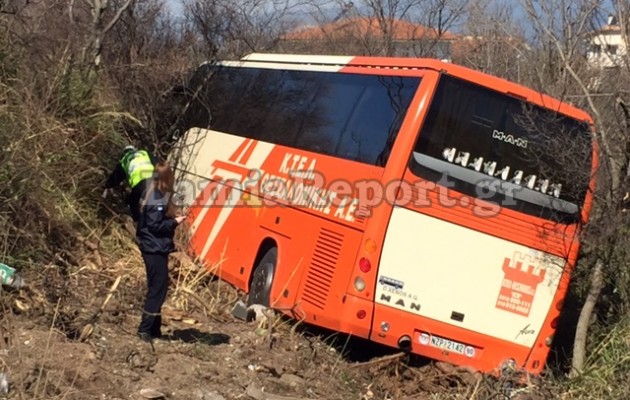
x=351 y=116
x=329 y=114
x=289 y=111
x=256 y=105
x=376 y=120
x=221 y=94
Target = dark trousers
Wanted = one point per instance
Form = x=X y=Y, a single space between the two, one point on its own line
x=135 y=198
x=157 y=282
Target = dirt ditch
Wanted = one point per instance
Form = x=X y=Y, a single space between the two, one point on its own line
x=71 y=335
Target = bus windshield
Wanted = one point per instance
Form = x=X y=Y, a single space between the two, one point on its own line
x=502 y=149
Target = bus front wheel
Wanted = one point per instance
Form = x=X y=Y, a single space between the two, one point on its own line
x=262 y=279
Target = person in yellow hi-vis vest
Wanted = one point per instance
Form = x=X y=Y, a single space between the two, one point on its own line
x=136 y=167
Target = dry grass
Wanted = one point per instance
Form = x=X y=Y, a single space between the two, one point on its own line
x=607 y=368
x=195 y=293
x=58 y=136
x=193 y=283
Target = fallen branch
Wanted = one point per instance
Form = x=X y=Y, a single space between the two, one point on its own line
x=257 y=394
x=97 y=258
x=87 y=329
x=112 y=289
x=184 y=259
x=379 y=360
x=95 y=247
x=207 y=308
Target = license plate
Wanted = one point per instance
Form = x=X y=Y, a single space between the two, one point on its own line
x=448 y=345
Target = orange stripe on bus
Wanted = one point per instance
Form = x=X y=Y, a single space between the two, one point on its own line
x=240 y=150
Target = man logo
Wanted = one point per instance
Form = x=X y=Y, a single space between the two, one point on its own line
x=508 y=138
x=401 y=303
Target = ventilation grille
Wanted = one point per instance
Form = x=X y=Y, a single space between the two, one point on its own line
x=322 y=268
x=362 y=213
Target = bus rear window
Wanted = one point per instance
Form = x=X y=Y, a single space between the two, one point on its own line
x=497 y=147
x=351 y=116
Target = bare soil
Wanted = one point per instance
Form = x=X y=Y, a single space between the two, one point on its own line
x=56 y=345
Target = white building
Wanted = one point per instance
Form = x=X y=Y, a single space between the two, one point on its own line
x=606 y=46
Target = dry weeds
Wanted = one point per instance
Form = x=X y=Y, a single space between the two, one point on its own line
x=46 y=356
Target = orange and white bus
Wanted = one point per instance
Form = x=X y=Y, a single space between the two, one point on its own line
x=415 y=203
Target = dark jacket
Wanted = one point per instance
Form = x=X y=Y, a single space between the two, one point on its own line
x=155 y=230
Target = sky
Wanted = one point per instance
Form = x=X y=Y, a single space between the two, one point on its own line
x=175 y=6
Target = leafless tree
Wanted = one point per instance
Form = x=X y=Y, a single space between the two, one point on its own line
x=101 y=24
x=492 y=41
x=234 y=28
x=379 y=27
x=147 y=55
x=561 y=29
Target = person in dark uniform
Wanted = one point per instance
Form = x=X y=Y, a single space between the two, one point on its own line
x=136 y=167
x=157 y=222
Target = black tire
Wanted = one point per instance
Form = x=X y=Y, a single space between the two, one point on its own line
x=262 y=279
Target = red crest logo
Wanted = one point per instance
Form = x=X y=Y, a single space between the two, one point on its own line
x=519 y=284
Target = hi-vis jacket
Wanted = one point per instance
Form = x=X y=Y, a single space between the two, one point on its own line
x=134 y=166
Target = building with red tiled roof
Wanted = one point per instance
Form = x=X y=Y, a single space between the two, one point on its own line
x=370 y=36
x=606 y=46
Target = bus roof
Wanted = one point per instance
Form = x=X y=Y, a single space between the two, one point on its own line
x=494 y=82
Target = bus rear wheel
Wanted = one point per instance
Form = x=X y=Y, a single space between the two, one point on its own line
x=262 y=279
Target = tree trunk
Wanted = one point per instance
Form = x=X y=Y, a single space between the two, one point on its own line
x=584 y=321
x=94 y=47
